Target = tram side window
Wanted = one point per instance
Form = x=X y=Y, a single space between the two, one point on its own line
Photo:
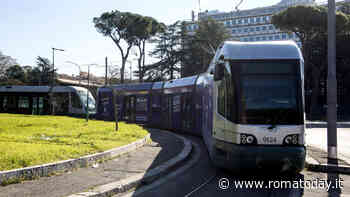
x=62 y=102
x=156 y=100
x=4 y=102
x=23 y=102
x=221 y=97
x=11 y=103
x=141 y=104
x=177 y=103
x=226 y=99
x=76 y=103
x=230 y=105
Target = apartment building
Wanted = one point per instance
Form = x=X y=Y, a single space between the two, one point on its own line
x=253 y=24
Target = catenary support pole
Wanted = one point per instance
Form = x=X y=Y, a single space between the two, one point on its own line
x=332 y=83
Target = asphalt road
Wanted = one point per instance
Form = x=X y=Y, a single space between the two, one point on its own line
x=205 y=180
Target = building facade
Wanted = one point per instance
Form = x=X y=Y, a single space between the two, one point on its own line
x=253 y=24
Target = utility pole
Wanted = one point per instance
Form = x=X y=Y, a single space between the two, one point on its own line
x=332 y=83
x=106 y=62
x=52 y=103
x=87 y=96
x=130 y=66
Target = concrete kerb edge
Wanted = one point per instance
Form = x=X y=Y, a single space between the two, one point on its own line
x=313 y=165
x=45 y=170
x=136 y=180
x=310 y=125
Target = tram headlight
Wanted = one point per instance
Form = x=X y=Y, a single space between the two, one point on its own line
x=291 y=139
x=247 y=139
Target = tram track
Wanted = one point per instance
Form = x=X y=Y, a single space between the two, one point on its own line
x=201 y=186
x=195 y=158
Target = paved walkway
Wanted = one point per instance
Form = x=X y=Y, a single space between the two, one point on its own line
x=317 y=137
x=148 y=157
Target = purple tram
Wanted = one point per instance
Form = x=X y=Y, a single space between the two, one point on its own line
x=178 y=102
x=248 y=107
x=133 y=101
x=155 y=116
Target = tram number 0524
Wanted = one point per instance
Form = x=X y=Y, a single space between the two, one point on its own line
x=269 y=140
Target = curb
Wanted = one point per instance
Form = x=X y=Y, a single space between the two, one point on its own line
x=146 y=177
x=61 y=166
x=311 y=125
x=312 y=165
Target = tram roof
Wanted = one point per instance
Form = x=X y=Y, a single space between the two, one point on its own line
x=133 y=86
x=157 y=85
x=187 y=81
x=233 y=50
x=39 y=89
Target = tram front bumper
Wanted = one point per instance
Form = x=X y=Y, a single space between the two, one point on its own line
x=262 y=158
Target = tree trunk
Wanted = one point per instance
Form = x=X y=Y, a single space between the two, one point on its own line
x=143 y=58
x=139 y=60
x=122 y=71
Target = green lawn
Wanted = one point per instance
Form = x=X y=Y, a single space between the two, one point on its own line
x=27 y=140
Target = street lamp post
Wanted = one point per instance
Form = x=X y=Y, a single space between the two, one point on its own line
x=78 y=68
x=332 y=83
x=87 y=92
x=87 y=95
x=53 y=80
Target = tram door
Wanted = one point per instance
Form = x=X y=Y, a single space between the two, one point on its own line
x=187 y=113
x=35 y=105
x=170 y=112
x=11 y=104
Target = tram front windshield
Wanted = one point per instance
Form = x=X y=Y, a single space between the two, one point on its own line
x=269 y=92
x=84 y=97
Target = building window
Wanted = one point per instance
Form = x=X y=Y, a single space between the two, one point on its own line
x=257 y=28
x=264 y=18
x=257 y=38
x=239 y=30
x=264 y=28
x=228 y=23
x=258 y=19
x=251 y=39
x=239 y=21
x=246 y=21
x=252 y=20
x=233 y=31
x=263 y=38
x=284 y=36
x=245 y=30
x=246 y=40
x=270 y=27
x=251 y=29
x=233 y=22
x=270 y=37
x=267 y=18
x=277 y=37
x=290 y=35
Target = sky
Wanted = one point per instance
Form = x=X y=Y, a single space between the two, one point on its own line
x=29 y=29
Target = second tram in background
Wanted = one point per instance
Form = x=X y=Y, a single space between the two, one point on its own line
x=35 y=100
x=248 y=107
